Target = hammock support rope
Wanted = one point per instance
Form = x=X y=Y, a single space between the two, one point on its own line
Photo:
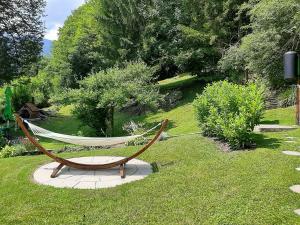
x=64 y=162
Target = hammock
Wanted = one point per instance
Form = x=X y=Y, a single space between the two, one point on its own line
x=84 y=141
x=65 y=162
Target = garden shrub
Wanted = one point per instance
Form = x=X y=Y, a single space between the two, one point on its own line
x=7 y=151
x=22 y=92
x=26 y=145
x=287 y=97
x=230 y=112
x=12 y=151
x=42 y=89
x=29 y=89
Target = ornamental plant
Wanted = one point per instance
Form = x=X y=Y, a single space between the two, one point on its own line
x=230 y=112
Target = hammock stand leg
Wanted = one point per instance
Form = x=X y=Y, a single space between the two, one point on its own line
x=122 y=171
x=56 y=170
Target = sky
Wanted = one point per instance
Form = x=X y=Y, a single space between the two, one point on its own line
x=57 y=12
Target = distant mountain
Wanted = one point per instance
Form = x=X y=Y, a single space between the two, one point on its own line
x=47 y=46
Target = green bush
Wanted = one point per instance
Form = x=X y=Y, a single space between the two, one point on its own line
x=26 y=145
x=26 y=89
x=7 y=151
x=102 y=93
x=230 y=112
x=42 y=88
x=12 y=151
x=22 y=92
x=287 y=97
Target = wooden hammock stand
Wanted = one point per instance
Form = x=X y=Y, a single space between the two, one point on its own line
x=64 y=162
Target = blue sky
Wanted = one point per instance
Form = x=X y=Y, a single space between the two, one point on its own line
x=57 y=12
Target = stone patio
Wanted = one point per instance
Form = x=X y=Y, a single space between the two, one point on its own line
x=273 y=128
x=297 y=211
x=294 y=153
x=82 y=179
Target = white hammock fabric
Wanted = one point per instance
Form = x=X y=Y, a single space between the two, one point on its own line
x=83 y=141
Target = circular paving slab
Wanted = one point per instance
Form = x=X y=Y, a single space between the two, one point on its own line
x=295 y=188
x=93 y=179
x=291 y=153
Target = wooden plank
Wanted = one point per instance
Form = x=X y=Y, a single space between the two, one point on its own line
x=56 y=170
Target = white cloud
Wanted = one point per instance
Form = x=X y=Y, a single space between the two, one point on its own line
x=52 y=33
x=57 y=12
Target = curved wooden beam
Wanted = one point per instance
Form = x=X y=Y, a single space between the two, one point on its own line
x=65 y=162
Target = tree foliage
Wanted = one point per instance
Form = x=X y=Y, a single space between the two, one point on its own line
x=123 y=23
x=173 y=36
x=275 y=30
x=77 y=53
x=21 y=34
x=101 y=93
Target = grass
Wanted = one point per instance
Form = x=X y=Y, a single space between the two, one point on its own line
x=283 y=116
x=64 y=123
x=197 y=183
x=182 y=118
x=180 y=81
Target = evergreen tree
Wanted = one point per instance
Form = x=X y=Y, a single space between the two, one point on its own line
x=122 y=23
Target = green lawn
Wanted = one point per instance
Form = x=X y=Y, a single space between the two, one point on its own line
x=284 y=116
x=197 y=183
x=180 y=81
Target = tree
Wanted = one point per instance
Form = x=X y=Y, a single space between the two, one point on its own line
x=102 y=93
x=173 y=36
x=76 y=53
x=161 y=36
x=190 y=35
x=275 y=30
x=21 y=35
x=122 y=23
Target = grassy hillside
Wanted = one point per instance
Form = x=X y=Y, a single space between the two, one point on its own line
x=182 y=118
x=197 y=182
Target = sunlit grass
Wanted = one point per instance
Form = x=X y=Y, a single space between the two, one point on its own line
x=283 y=116
x=180 y=81
x=197 y=182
